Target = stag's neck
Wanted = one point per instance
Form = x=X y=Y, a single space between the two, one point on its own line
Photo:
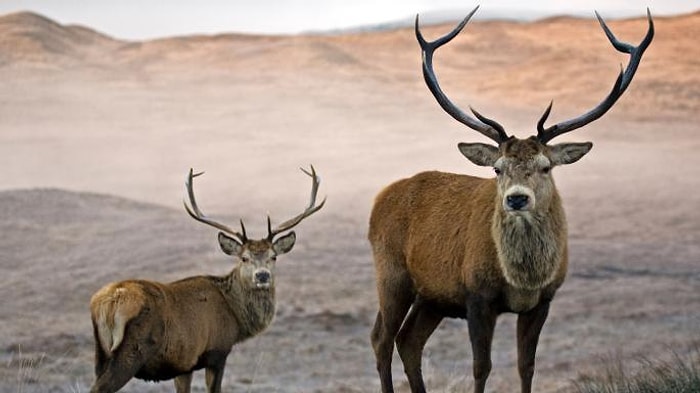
x=531 y=246
x=253 y=308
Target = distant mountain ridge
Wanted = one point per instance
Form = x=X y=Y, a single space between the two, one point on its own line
x=31 y=37
x=500 y=57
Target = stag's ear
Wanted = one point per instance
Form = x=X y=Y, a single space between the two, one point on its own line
x=229 y=245
x=480 y=153
x=284 y=244
x=568 y=153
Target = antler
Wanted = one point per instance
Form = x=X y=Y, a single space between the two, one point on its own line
x=199 y=216
x=621 y=84
x=484 y=125
x=311 y=209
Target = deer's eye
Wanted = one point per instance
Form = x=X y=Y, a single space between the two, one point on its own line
x=245 y=259
x=497 y=170
x=546 y=169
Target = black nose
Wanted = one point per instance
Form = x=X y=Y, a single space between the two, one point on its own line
x=262 y=277
x=517 y=201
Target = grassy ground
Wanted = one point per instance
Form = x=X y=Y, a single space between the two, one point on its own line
x=680 y=374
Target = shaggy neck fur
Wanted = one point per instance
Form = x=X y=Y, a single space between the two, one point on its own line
x=530 y=247
x=253 y=307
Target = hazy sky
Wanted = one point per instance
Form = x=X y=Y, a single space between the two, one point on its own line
x=138 y=19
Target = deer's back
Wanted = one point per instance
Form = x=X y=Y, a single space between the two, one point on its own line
x=437 y=226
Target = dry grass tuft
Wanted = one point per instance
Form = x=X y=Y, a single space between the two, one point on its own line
x=680 y=374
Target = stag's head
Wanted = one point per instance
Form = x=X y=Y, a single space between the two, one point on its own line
x=256 y=258
x=523 y=166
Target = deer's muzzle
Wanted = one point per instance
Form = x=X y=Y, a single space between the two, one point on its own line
x=518 y=199
x=262 y=278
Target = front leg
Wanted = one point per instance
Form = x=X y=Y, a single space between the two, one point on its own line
x=481 y=318
x=529 y=328
x=213 y=377
x=183 y=383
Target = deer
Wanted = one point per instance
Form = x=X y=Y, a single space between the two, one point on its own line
x=449 y=245
x=159 y=331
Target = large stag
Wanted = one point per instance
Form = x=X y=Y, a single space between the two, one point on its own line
x=449 y=245
x=155 y=331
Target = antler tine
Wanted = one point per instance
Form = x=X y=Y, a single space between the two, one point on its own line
x=316 y=181
x=621 y=84
x=242 y=236
x=310 y=209
x=197 y=214
x=485 y=126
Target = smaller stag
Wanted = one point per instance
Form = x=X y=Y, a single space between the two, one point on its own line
x=155 y=331
x=449 y=245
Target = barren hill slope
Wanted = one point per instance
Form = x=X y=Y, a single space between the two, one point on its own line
x=59 y=247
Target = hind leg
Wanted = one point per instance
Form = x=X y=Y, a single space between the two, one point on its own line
x=116 y=373
x=106 y=371
x=122 y=365
x=100 y=361
x=420 y=323
x=395 y=297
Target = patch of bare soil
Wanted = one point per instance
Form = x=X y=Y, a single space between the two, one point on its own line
x=97 y=135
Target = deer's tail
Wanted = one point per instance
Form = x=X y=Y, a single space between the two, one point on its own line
x=112 y=307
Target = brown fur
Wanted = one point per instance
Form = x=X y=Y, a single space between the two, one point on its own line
x=157 y=331
x=460 y=246
x=444 y=245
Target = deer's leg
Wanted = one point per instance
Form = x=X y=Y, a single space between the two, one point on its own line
x=123 y=364
x=100 y=359
x=117 y=371
x=420 y=323
x=213 y=377
x=482 y=321
x=395 y=297
x=529 y=328
x=183 y=383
